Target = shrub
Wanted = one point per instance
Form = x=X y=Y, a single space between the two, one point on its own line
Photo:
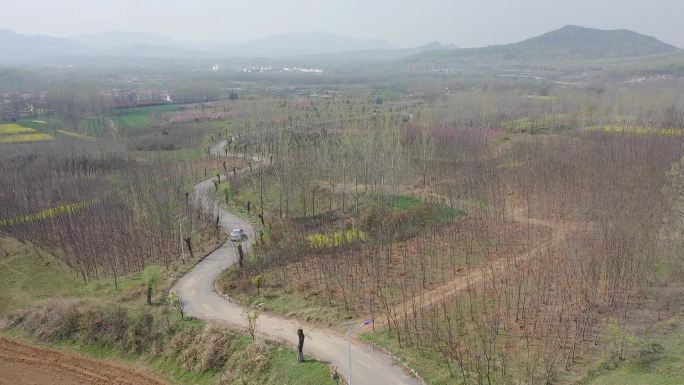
x=649 y=355
x=215 y=343
x=53 y=321
x=141 y=333
x=103 y=325
x=256 y=360
x=203 y=351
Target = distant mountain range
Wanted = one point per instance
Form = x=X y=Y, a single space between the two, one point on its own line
x=19 y=48
x=16 y=47
x=570 y=43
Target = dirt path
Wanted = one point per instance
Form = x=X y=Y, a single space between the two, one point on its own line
x=196 y=290
x=25 y=364
x=560 y=231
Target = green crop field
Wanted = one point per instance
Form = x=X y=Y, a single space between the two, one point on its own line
x=140 y=117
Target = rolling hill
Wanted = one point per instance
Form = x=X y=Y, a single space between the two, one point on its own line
x=570 y=43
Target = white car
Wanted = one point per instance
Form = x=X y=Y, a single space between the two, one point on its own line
x=237 y=235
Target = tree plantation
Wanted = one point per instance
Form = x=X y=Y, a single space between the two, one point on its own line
x=489 y=216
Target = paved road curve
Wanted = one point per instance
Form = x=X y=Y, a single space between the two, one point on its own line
x=196 y=289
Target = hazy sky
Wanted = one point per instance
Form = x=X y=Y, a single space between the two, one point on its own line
x=400 y=22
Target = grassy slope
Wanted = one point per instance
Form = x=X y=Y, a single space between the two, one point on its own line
x=28 y=275
x=569 y=44
x=429 y=365
x=642 y=367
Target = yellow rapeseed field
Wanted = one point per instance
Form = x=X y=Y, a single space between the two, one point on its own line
x=629 y=130
x=13 y=129
x=36 y=137
x=338 y=238
x=49 y=213
x=512 y=164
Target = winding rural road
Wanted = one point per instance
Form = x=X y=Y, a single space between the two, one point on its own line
x=196 y=290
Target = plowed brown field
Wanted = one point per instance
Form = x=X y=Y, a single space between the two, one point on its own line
x=25 y=364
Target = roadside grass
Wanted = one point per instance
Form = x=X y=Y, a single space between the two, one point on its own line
x=236 y=205
x=428 y=364
x=285 y=370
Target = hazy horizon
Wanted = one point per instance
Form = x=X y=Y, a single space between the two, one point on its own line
x=465 y=23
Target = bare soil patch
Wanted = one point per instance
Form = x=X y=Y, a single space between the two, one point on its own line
x=24 y=364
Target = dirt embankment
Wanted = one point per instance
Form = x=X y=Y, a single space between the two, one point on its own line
x=24 y=364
